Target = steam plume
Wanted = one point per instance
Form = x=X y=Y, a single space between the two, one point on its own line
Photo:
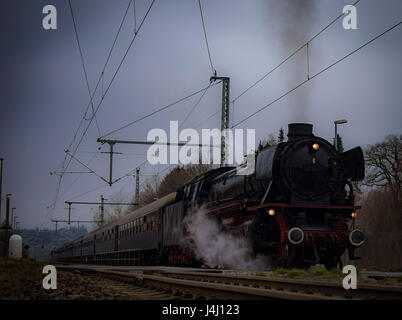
x=216 y=247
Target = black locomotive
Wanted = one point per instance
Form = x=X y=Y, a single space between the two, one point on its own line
x=297 y=207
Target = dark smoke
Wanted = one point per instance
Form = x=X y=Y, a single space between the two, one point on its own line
x=292 y=21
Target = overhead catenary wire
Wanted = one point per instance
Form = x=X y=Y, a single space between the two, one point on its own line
x=135 y=17
x=64 y=166
x=83 y=164
x=115 y=74
x=205 y=36
x=158 y=110
x=88 y=191
x=195 y=106
x=82 y=61
x=290 y=56
x=316 y=74
x=122 y=153
x=75 y=181
x=209 y=117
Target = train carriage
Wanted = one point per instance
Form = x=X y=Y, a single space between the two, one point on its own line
x=297 y=207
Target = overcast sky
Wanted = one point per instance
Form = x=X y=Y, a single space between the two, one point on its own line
x=44 y=94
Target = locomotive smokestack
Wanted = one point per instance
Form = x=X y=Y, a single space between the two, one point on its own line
x=298 y=130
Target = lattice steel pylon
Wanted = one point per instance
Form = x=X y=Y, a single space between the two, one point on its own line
x=137 y=188
x=225 y=115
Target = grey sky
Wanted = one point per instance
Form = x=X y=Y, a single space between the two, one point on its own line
x=43 y=92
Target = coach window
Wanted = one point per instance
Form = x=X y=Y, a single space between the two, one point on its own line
x=187 y=192
x=194 y=193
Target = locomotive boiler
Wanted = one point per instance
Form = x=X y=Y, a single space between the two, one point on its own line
x=297 y=207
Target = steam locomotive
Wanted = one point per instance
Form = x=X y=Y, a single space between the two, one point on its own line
x=297 y=208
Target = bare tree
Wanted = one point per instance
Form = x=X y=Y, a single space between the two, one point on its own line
x=267 y=143
x=384 y=165
x=149 y=193
x=112 y=213
x=178 y=176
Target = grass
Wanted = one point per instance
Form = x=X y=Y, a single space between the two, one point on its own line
x=158 y=274
x=383 y=269
x=320 y=273
x=314 y=273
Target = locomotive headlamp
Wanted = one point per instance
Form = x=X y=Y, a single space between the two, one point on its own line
x=316 y=146
x=271 y=212
x=353 y=214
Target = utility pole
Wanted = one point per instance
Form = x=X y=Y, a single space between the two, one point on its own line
x=102 y=218
x=137 y=188
x=1 y=183
x=111 y=144
x=8 y=198
x=69 y=212
x=12 y=217
x=225 y=115
x=101 y=204
x=73 y=221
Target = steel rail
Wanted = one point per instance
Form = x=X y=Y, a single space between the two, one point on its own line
x=327 y=289
x=199 y=289
x=238 y=286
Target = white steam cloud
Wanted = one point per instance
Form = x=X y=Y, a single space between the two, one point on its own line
x=217 y=247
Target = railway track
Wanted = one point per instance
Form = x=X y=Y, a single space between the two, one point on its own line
x=310 y=287
x=201 y=285
x=135 y=292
